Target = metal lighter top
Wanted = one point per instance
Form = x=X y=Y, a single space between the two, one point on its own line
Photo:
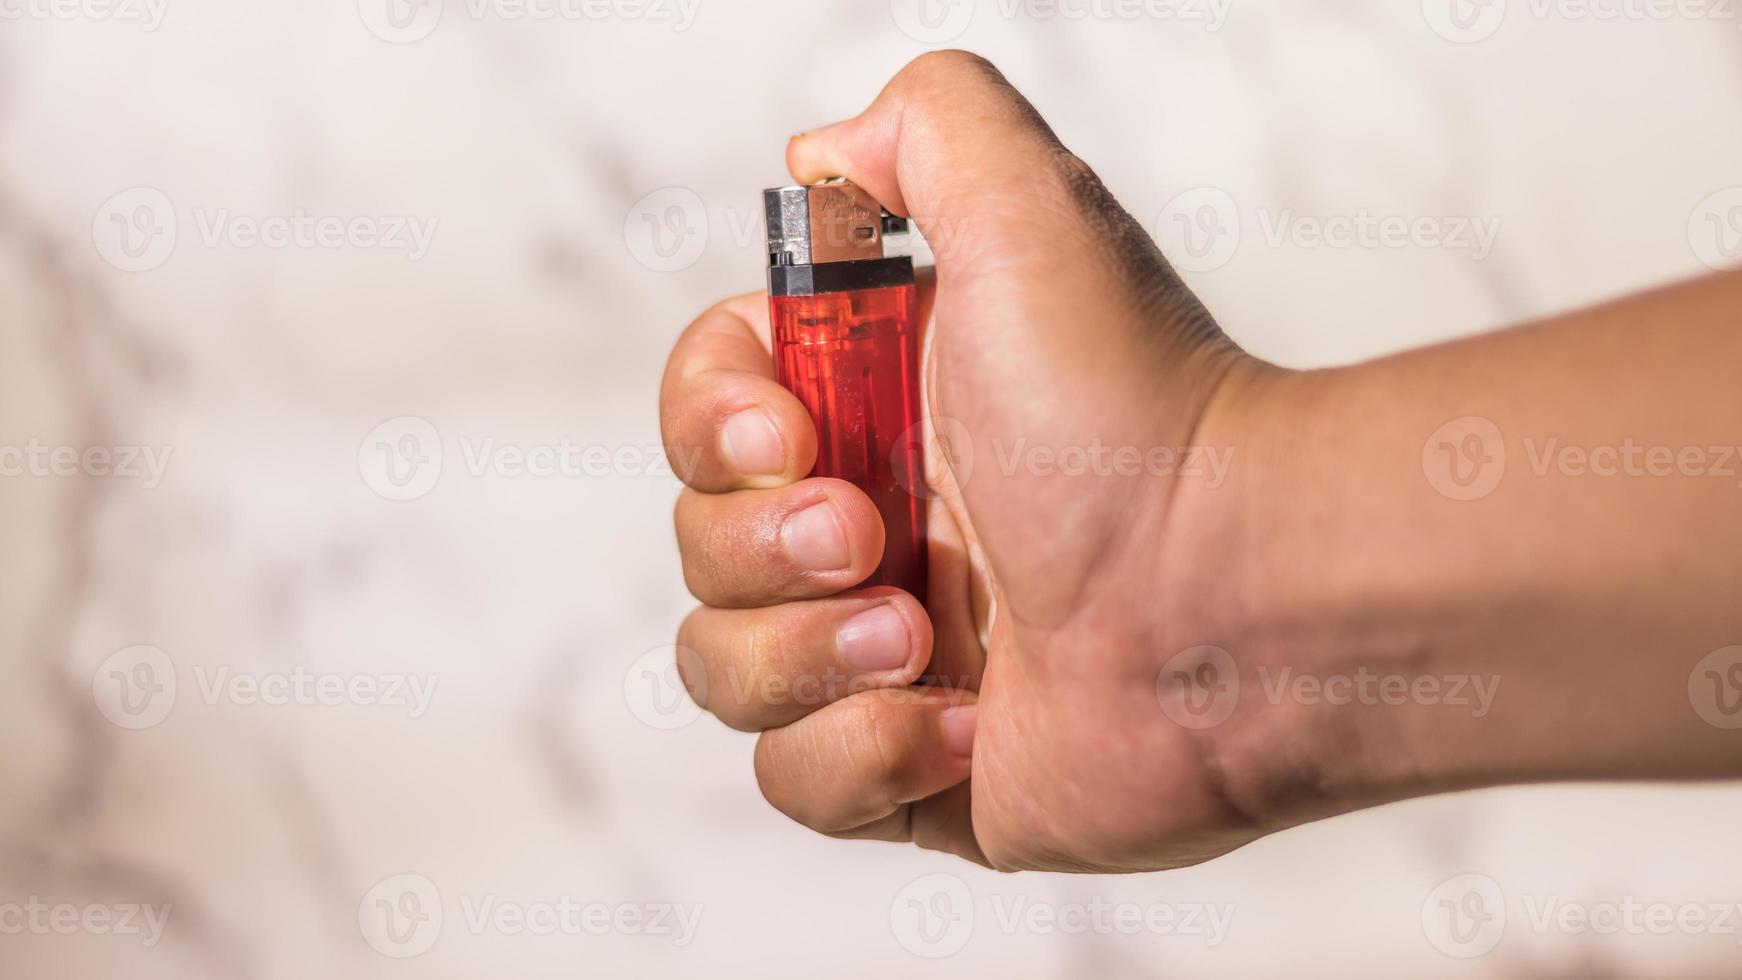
x=834 y=221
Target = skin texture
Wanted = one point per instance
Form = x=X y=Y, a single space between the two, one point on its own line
x=1118 y=650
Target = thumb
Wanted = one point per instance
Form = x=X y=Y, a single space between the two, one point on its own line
x=945 y=134
x=952 y=145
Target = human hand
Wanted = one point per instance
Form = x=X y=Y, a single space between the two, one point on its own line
x=1058 y=592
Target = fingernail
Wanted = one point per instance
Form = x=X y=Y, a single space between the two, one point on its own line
x=958 y=727
x=814 y=539
x=874 y=640
x=752 y=444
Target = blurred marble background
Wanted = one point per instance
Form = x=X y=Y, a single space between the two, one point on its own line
x=319 y=668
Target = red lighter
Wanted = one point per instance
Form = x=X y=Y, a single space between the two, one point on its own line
x=846 y=342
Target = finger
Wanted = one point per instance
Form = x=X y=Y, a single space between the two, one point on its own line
x=857 y=761
x=726 y=423
x=763 y=668
x=760 y=547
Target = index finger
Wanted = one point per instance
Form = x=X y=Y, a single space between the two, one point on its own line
x=726 y=423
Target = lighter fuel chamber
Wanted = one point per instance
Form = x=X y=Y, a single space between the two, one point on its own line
x=846 y=342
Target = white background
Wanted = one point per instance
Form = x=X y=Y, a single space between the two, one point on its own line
x=540 y=313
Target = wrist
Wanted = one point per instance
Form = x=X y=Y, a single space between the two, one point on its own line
x=1349 y=693
x=1431 y=643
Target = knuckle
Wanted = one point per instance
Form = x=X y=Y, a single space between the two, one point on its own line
x=692 y=660
x=715 y=549
x=759 y=670
x=691 y=544
x=689 y=631
x=748 y=687
x=772 y=779
x=690 y=419
x=879 y=729
x=1075 y=173
x=952 y=65
x=762 y=651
